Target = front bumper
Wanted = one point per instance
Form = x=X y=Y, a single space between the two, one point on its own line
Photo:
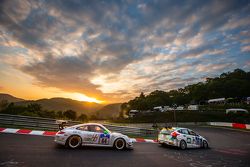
x=130 y=144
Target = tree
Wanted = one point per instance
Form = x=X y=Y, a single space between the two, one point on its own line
x=70 y=114
x=34 y=107
x=59 y=114
x=142 y=96
x=3 y=104
x=82 y=118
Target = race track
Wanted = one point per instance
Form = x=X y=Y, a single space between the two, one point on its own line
x=229 y=148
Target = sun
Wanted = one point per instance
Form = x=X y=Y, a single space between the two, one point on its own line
x=82 y=97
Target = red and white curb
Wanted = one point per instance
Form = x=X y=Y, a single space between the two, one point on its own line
x=233 y=125
x=51 y=133
x=27 y=132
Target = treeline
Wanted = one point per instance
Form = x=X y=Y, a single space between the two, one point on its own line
x=230 y=84
x=187 y=116
x=36 y=110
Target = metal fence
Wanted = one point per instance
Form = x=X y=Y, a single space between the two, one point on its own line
x=31 y=122
x=38 y=123
x=133 y=131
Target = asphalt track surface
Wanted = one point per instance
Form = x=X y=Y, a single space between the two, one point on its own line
x=229 y=148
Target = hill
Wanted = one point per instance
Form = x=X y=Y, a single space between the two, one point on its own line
x=55 y=104
x=9 y=98
x=63 y=104
x=109 y=111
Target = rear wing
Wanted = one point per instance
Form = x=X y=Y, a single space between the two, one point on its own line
x=61 y=124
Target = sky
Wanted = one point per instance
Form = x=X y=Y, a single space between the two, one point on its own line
x=110 y=51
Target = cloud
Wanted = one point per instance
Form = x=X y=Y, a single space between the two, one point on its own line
x=67 y=73
x=213 y=67
x=245 y=48
x=236 y=23
x=115 y=49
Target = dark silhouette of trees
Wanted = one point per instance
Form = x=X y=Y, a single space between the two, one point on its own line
x=70 y=114
x=3 y=104
x=82 y=118
x=36 y=110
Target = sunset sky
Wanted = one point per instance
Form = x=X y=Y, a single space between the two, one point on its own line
x=111 y=51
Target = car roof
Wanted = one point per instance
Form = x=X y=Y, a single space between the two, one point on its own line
x=175 y=128
x=88 y=124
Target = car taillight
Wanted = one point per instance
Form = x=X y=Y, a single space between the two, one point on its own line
x=60 y=132
x=174 y=134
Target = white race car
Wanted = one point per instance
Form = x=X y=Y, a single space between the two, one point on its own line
x=181 y=137
x=92 y=134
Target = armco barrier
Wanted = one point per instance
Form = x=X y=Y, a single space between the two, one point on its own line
x=37 y=123
x=132 y=130
x=150 y=125
x=31 y=122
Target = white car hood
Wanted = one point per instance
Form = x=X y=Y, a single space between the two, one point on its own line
x=119 y=134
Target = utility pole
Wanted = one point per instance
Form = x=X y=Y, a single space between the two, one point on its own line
x=174 y=107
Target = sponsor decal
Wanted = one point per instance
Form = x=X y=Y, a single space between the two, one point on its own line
x=193 y=140
x=105 y=135
x=200 y=142
x=95 y=137
x=197 y=141
x=189 y=140
x=76 y=132
x=104 y=138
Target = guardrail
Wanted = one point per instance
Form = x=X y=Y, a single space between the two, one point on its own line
x=132 y=130
x=31 y=122
x=159 y=125
x=38 y=123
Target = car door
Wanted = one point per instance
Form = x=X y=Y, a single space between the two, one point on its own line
x=99 y=135
x=86 y=134
x=195 y=139
x=187 y=137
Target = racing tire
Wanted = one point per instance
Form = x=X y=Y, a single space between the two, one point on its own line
x=205 y=144
x=119 y=144
x=74 y=141
x=183 y=145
